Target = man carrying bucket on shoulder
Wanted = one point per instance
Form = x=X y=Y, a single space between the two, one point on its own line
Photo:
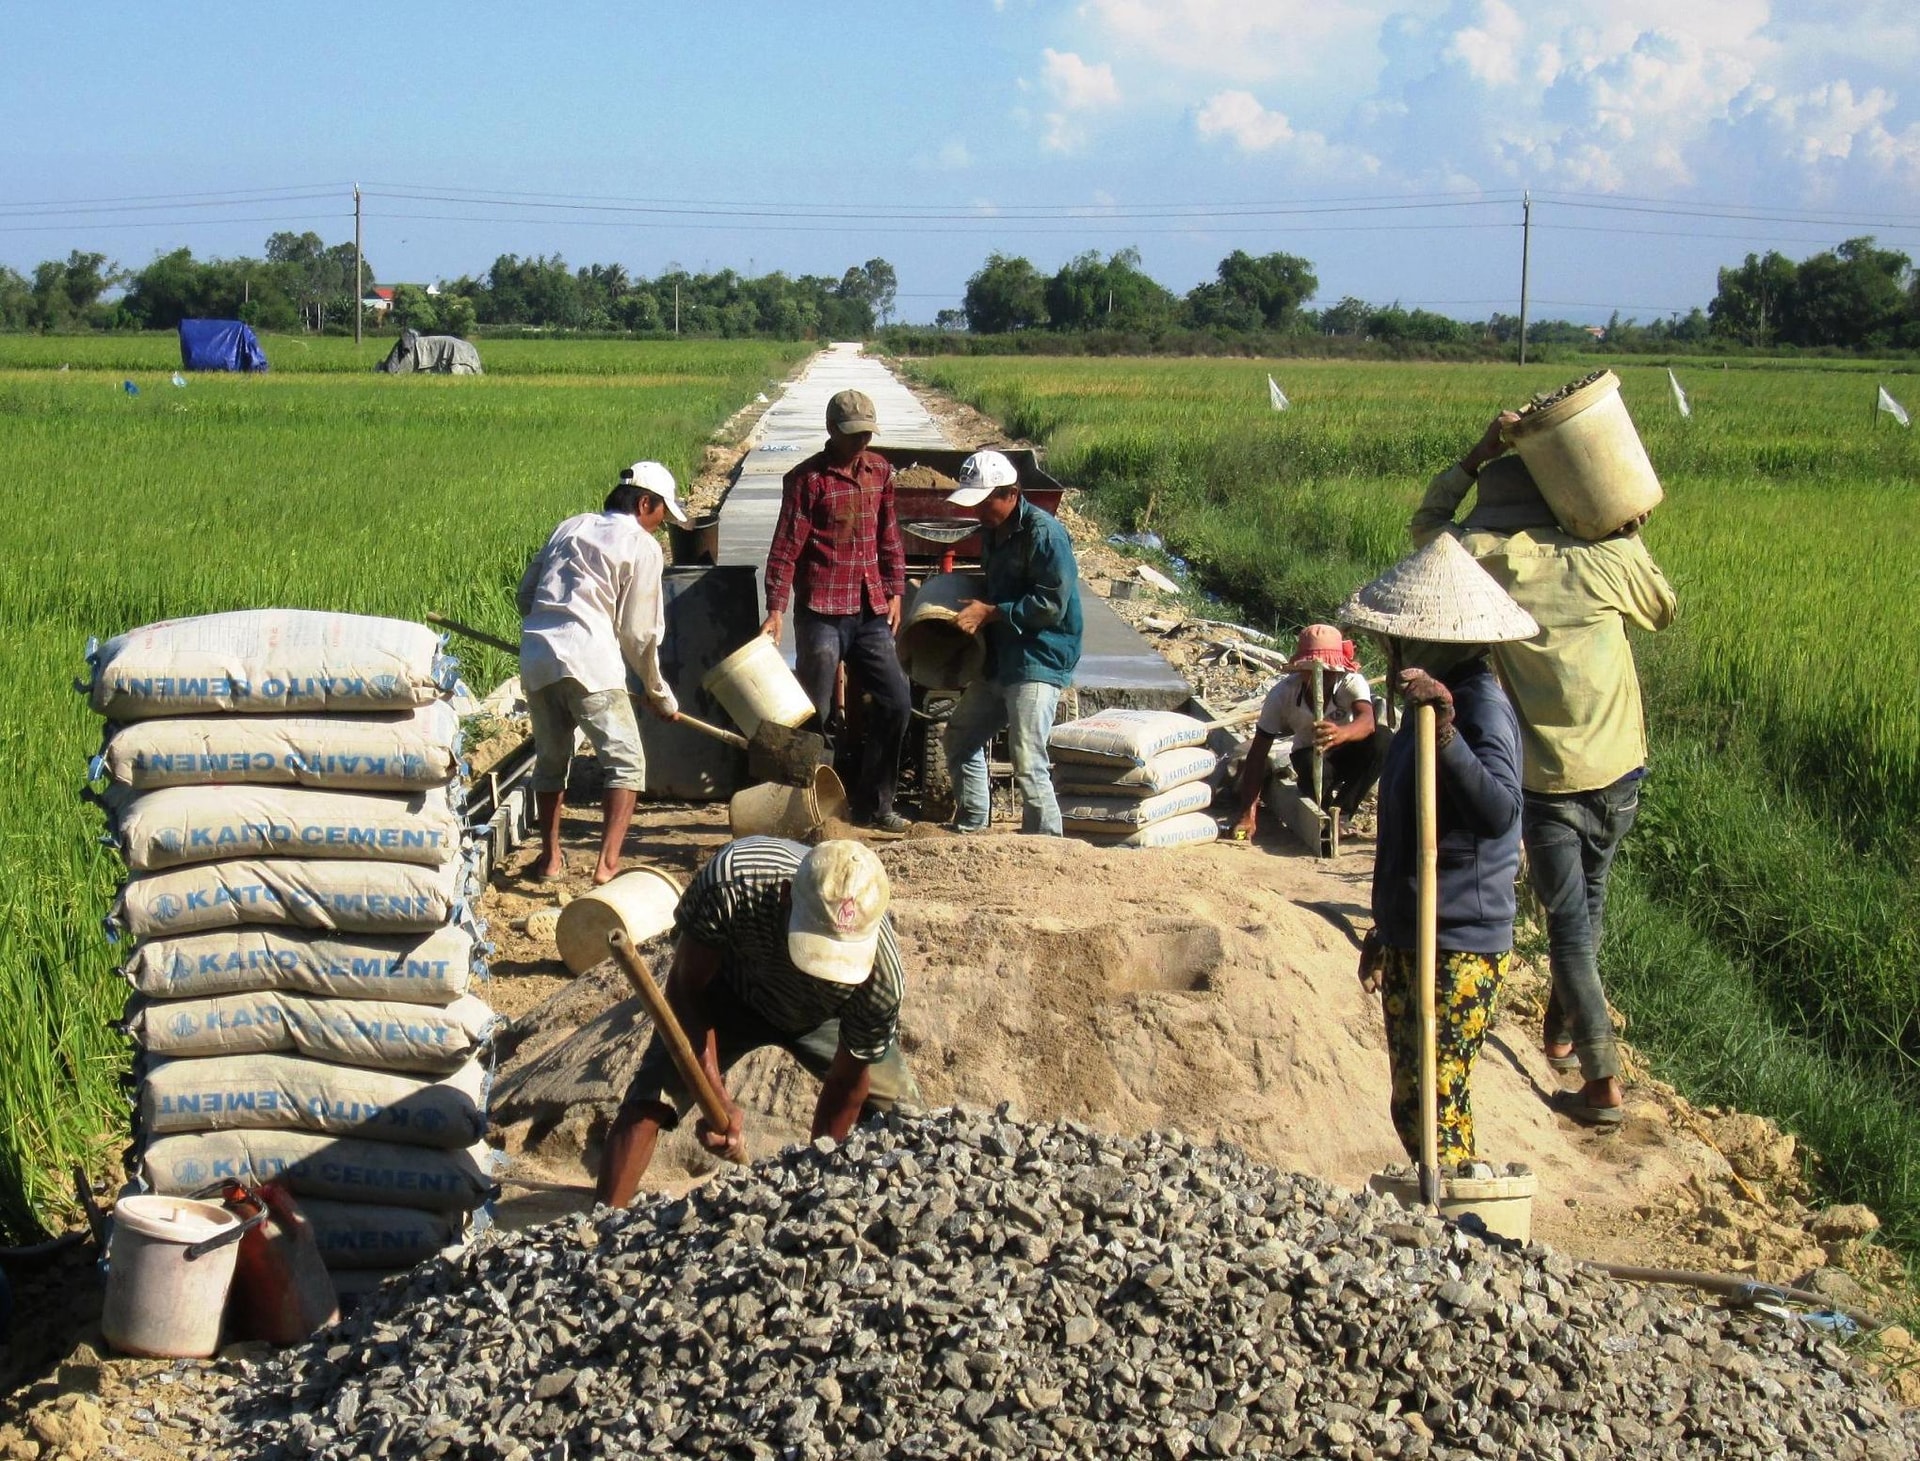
x=1582 y=728
x=590 y=610
x=776 y=945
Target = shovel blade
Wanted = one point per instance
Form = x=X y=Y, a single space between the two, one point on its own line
x=781 y=753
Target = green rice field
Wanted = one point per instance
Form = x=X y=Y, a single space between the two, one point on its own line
x=316 y=485
x=1765 y=942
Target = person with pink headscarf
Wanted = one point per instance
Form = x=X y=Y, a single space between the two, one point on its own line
x=1345 y=733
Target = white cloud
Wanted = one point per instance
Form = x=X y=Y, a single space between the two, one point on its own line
x=1239 y=117
x=1242 y=40
x=1490 y=50
x=1078 y=85
x=955 y=157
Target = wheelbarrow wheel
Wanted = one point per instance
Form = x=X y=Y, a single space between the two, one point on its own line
x=936 y=786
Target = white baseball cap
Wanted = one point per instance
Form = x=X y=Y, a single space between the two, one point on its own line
x=981 y=475
x=654 y=478
x=840 y=894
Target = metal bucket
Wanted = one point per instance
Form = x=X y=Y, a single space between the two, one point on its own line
x=798 y=812
x=164 y=1297
x=754 y=684
x=934 y=652
x=640 y=904
x=1504 y=1204
x=1587 y=459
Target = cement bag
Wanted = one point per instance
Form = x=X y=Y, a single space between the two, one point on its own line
x=1124 y=737
x=263 y=661
x=1187 y=829
x=432 y=970
x=361 y=1236
x=407 y=751
x=334 y=1167
x=421 y=1038
x=186 y=824
x=268 y=1092
x=350 y=897
x=1161 y=773
x=1123 y=814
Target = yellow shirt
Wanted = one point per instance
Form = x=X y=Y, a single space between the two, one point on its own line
x=1574 y=685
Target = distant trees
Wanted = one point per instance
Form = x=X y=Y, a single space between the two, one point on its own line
x=1250 y=293
x=1006 y=294
x=1855 y=296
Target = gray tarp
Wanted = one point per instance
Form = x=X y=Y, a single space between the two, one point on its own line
x=439 y=354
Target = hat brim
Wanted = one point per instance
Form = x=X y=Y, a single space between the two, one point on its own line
x=835 y=960
x=853 y=425
x=675 y=510
x=970 y=496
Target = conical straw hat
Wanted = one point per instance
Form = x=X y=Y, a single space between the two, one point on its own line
x=1439 y=593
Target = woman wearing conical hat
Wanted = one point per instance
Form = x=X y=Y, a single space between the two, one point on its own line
x=1437 y=612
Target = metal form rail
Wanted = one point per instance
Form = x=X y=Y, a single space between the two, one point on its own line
x=500 y=810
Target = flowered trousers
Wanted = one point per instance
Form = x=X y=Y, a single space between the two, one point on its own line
x=1465 y=987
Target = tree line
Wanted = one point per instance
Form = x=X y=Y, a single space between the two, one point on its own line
x=1855 y=296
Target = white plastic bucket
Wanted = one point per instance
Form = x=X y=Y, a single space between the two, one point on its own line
x=1587 y=459
x=640 y=904
x=774 y=810
x=754 y=684
x=1504 y=1204
x=936 y=653
x=160 y=1302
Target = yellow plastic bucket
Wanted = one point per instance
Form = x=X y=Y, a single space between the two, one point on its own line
x=164 y=1299
x=936 y=653
x=1504 y=1204
x=799 y=812
x=1587 y=459
x=754 y=684
x=640 y=904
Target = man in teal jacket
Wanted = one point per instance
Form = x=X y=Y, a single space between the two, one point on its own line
x=1031 y=620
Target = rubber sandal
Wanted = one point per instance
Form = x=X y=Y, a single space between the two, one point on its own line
x=1601 y=1118
x=1566 y=1064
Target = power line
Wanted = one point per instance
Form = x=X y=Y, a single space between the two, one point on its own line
x=253 y=195
x=175 y=222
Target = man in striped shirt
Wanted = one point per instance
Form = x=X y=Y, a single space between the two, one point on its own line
x=775 y=945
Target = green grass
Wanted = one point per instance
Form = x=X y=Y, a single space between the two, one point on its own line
x=306 y=487
x=1777 y=854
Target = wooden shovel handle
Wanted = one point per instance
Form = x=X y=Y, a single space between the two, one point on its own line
x=478 y=636
x=664 y=1020
x=1427 y=815
x=732 y=738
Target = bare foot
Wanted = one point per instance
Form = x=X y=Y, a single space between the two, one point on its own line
x=602 y=874
x=545 y=871
x=1604 y=1093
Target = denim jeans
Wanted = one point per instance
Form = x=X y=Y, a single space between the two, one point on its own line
x=1026 y=710
x=865 y=643
x=1570 y=843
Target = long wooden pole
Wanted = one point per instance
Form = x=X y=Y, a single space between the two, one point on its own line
x=1426 y=781
x=668 y=1025
x=1319 y=756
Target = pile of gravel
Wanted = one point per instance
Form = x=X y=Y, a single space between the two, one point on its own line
x=967 y=1285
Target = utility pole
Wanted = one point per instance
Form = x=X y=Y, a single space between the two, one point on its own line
x=358 y=292
x=676 y=307
x=1526 y=249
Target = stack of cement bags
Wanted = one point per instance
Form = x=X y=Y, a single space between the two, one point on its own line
x=284 y=788
x=1134 y=778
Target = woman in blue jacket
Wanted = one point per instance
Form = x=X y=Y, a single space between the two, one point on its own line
x=1438 y=611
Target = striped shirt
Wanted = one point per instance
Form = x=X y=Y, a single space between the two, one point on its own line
x=734 y=905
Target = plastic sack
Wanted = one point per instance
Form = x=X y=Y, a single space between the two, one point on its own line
x=434 y=970
x=267 y=661
x=178 y=825
x=350 y=896
x=268 y=1092
x=381 y=1034
x=408 y=751
x=1161 y=773
x=355 y=1235
x=1124 y=813
x=1124 y=737
x=311 y=1165
x=1186 y=830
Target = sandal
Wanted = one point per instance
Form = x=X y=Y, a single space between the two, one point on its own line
x=1567 y=1064
x=1575 y=1105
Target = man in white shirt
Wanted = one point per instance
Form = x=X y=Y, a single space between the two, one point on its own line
x=1344 y=733
x=590 y=610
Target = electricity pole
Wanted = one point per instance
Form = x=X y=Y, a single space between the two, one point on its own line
x=676 y=308
x=358 y=292
x=1526 y=249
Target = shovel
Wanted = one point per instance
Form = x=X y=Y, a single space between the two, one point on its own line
x=674 y=1038
x=775 y=753
x=1427 y=935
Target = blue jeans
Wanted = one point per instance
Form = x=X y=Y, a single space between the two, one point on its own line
x=1570 y=843
x=864 y=643
x=1026 y=710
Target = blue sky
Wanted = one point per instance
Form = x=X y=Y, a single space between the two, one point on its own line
x=1386 y=142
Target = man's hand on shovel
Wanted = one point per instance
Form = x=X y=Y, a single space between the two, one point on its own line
x=1417 y=687
x=729 y=1145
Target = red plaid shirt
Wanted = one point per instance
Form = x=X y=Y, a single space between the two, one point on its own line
x=837 y=544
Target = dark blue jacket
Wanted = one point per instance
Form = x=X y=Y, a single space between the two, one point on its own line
x=1032 y=578
x=1479 y=828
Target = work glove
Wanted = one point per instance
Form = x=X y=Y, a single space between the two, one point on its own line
x=1417 y=688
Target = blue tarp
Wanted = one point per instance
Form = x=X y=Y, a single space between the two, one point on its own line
x=220 y=345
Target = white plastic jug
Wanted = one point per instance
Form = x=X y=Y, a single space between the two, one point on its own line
x=640 y=904
x=754 y=684
x=169 y=1266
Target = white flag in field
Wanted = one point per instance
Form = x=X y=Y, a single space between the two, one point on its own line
x=1893 y=408
x=1679 y=396
x=1280 y=401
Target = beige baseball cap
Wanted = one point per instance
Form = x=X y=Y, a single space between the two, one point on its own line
x=840 y=894
x=850 y=412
